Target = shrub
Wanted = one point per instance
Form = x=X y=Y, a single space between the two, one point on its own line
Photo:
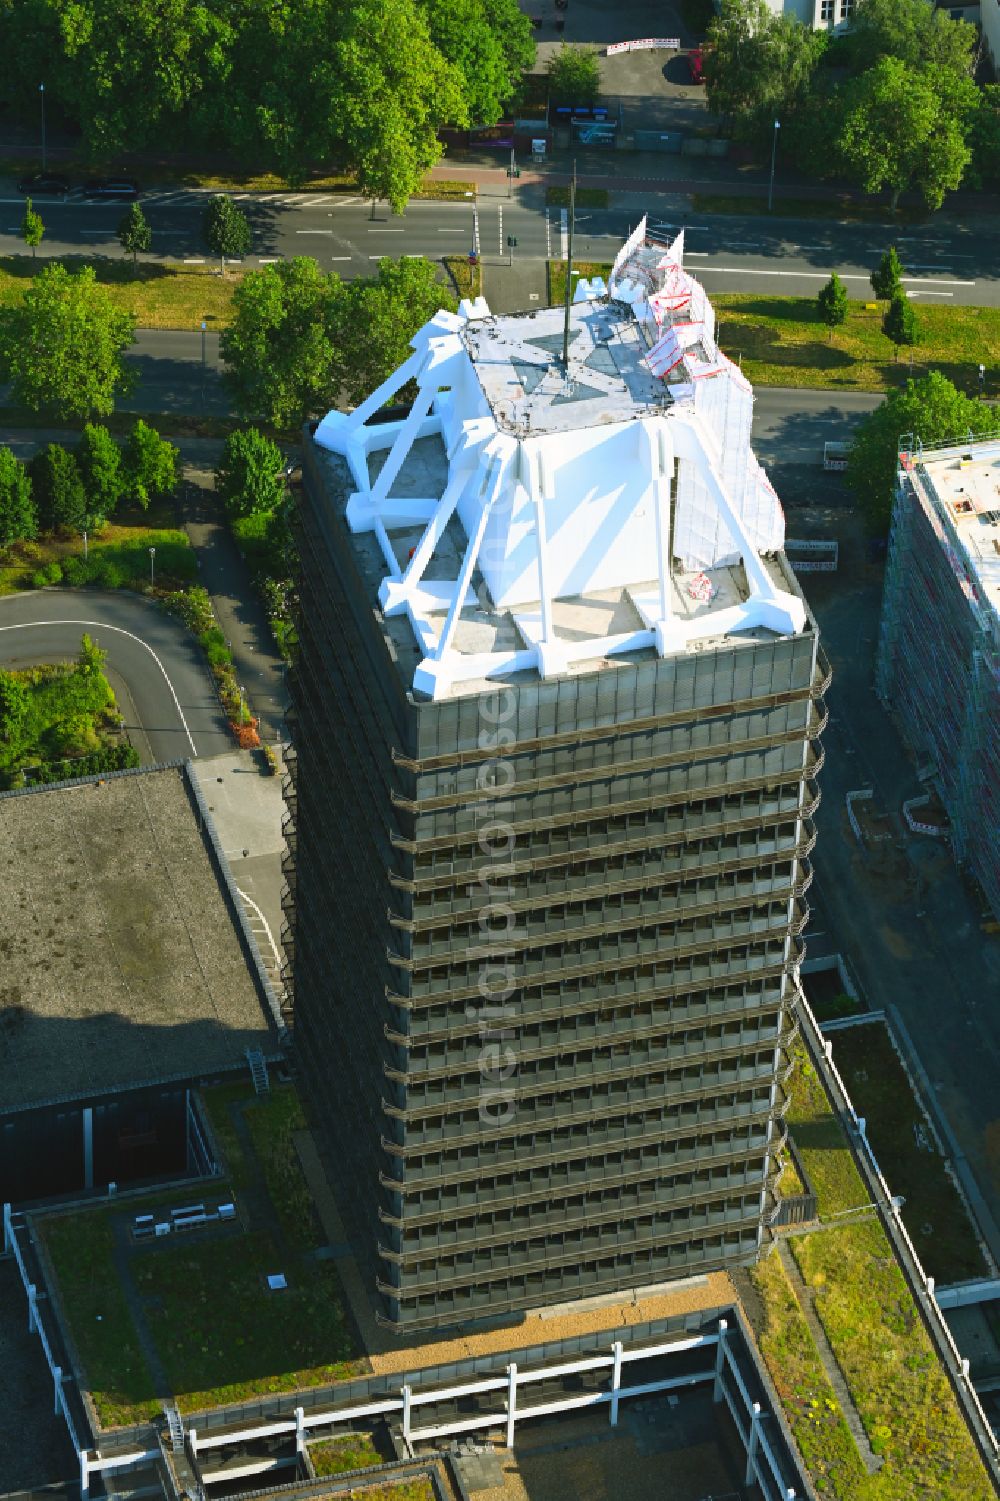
x=38 y=580
x=53 y=573
x=107 y=575
x=250 y=477
x=75 y=572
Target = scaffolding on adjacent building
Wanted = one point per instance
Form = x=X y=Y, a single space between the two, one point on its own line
x=939 y=650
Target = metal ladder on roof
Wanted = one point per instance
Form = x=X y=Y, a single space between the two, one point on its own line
x=258 y=1071
x=175 y=1428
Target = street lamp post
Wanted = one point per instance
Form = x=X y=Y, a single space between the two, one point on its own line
x=204 y=326
x=41 y=90
x=774 y=152
x=85 y=544
x=152 y=567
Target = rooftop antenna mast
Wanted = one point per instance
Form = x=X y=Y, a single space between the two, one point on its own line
x=569 y=270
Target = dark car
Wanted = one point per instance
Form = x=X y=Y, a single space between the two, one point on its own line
x=114 y=189
x=696 y=64
x=39 y=184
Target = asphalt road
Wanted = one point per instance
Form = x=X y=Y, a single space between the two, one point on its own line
x=169 y=701
x=946 y=261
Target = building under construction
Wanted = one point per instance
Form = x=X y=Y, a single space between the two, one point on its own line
x=939 y=650
x=556 y=709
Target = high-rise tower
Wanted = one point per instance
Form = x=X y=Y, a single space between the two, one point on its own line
x=556 y=708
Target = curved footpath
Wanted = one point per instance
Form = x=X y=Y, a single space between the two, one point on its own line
x=170 y=705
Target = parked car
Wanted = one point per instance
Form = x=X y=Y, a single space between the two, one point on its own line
x=48 y=184
x=114 y=189
x=696 y=64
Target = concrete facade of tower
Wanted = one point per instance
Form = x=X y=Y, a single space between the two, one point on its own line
x=556 y=717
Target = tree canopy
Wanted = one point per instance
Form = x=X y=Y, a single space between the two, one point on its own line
x=58 y=489
x=134 y=233
x=152 y=463
x=300 y=338
x=250 y=477
x=574 y=75
x=759 y=66
x=900 y=131
x=18 y=521
x=899 y=321
x=99 y=460
x=832 y=303
x=887 y=278
x=225 y=229
x=287 y=85
x=934 y=411
x=32 y=228
x=63 y=345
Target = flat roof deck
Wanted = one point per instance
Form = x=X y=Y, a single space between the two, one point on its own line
x=120 y=961
x=964 y=482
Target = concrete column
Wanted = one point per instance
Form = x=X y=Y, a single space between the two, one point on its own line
x=754 y=1439
x=720 y=1361
x=84 y=1476
x=616 y=1381
x=88 y=1147
x=300 y=1430
x=192 y=1439
x=511 y=1403
x=407 y=1395
x=57 y=1392
x=930 y=1287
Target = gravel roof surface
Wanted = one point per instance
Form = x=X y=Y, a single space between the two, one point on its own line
x=120 y=963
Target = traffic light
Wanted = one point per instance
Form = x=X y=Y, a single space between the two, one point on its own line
x=511 y=242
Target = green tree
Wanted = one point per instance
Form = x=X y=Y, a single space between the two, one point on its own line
x=574 y=75
x=898 y=132
x=134 y=233
x=250 y=478
x=63 y=345
x=130 y=73
x=91 y=659
x=32 y=228
x=14 y=704
x=18 y=521
x=151 y=464
x=378 y=317
x=489 y=45
x=934 y=411
x=832 y=301
x=899 y=322
x=226 y=229
x=914 y=32
x=58 y=489
x=887 y=278
x=282 y=365
x=99 y=460
x=759 y=67
x=392 y=92
x=984 y=139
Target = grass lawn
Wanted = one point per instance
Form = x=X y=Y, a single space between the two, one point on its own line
x=160 y=296
x=468 y=280
x=118 y=1378
x=399 y=1490
x=820 y=1142
x=832 y=207
x=220 y=1334
x=780 y=341
x=896 y=1382
x=117 y=557
x=333 y=1456
x=223 y=1337
x=558 y=197
x=933 y=1212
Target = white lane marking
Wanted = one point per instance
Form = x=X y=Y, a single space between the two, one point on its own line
x=564 y=234
x=340 y=257
x=380 y=229
x=456 y=231
x=249 y=901
x=500 y=225
x=934 y=281
x=825 y=276
x=314 y=231
x=99 y=625
x=268 y=260
x=919 y=293
x=194 y=260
